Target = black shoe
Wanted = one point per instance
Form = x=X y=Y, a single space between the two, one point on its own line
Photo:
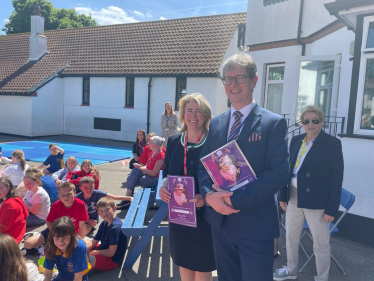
x=124 y=206
x=122 y=203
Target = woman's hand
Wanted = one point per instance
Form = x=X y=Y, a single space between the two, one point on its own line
x=198 y=200
x=283 y=205
x=165 y=195
x=57 y=182
x=138 y=166
x=327 y=218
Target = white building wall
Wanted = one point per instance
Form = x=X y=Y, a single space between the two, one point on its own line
x=358 y=174
x=47 y=109
x=163 y=90
x=16 y=115
x=107 y=100
x=271 y=23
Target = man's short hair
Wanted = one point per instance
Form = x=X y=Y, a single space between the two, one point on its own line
x=86 y=179
x=241 y=60
x=105 y=202
x=52 y=145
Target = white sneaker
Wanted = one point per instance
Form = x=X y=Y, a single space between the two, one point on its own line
x=282 y=274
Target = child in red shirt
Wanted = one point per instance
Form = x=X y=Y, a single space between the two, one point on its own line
x=87 y=169
x=13 y=212
x=69 y=206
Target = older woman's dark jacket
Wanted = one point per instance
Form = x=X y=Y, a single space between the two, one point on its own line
x=320 y=177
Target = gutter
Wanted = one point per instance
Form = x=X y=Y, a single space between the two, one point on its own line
x=298 y=40
x=149 y=103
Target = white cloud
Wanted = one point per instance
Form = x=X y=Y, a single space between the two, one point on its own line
x=107 y=16
x=140 y=14
x=148 y=15
x=162 y=18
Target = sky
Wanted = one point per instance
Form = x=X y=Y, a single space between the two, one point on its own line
x=129 y=11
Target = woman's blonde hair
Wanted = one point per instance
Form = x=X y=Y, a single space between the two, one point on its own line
x=204 y=107
x=35 y=174
x=61 y=227
x=18 y=154
x=313 y=109
x=172 y=110
x=71 y=158
x=13 y=267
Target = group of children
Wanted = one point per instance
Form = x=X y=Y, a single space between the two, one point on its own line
x=69 y=220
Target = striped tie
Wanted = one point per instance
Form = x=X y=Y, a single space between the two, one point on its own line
x=233 y=135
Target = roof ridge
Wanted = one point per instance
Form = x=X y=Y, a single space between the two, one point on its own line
x=128 y=23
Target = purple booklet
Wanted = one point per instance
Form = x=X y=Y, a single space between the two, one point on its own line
x=181 y=211
x=228 y=167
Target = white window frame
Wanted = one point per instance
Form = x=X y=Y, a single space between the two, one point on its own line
x=365 y=56
x=268 y=82
x=335 y=83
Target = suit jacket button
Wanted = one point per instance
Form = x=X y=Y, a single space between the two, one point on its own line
x=307 y=190
x=308 y=175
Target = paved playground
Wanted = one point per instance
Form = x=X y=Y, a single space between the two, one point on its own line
x=155 y=262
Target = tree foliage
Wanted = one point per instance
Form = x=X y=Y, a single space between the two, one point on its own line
x=20 y=19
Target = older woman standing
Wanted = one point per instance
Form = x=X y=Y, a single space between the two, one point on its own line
x=191 y=248
x=313 y=192
x=145 y=175
x=169 y=122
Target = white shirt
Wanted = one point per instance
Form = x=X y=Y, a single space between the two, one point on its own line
x=296 y=170
x=14 y=173
x=40 y=197
x=245 y=111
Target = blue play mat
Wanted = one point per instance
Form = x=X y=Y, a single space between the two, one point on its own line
x=37 y=151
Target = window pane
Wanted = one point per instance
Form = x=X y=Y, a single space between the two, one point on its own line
x=370 y=39
x=86 y=91
x=315 y=85
x=130 y=81
x=276 y=73
x=181 y=89
x=367 y=115
x=274 y=96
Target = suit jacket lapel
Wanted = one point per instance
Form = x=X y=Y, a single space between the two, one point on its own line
x=317 y=146
x=225 y=122
x=250 y=122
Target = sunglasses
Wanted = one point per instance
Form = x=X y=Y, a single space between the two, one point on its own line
x=314 y=121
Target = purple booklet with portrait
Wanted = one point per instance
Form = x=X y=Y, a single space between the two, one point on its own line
x=228 y=167
x=181 y=211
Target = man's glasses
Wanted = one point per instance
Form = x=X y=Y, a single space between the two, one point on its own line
x=240 y=79
x=314 y=121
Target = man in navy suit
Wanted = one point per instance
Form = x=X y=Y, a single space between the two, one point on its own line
x=245 y=222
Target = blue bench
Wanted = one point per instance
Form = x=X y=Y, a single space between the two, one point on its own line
x=133 y=225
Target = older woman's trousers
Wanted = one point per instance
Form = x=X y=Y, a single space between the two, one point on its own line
x=137 y=177
x=320 y=231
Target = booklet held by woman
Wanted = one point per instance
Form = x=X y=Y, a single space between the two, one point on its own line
x=181 y=211
x=228 y=167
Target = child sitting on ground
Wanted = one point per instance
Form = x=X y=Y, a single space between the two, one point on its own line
x=69 y=206
x=55 y=160
x=87 y=169
x=90 y=197
x=67 y=252
x=36 y=199
x=13 y=212
x=71 y=165
x=109 y=254
x=15 y=172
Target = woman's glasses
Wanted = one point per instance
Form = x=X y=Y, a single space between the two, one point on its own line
x=314 y=121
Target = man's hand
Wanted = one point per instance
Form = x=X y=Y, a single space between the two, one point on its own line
x=327 y=218
x=227 y=200
x=217 y=201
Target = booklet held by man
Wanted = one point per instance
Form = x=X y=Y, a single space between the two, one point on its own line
x=181 y=210
x=228 y=167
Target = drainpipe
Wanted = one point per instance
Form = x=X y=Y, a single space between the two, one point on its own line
x=149 y=103
x=299 y=28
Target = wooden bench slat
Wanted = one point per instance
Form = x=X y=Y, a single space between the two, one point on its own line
x=142 y=208
x=131 y=213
